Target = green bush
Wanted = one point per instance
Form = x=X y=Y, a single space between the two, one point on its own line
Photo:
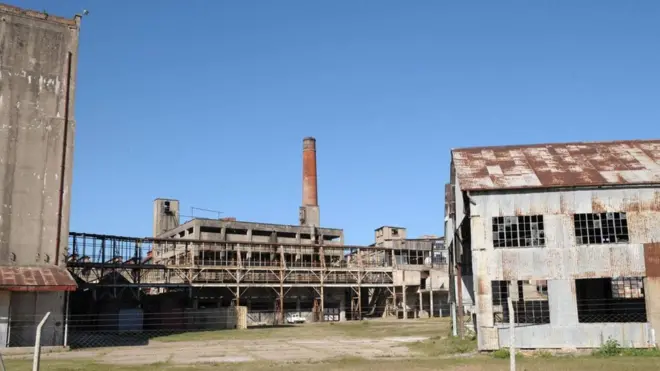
x=503 y=353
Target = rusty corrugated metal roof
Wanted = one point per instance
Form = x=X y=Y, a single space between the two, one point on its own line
x=558 y=165
x=45 y=278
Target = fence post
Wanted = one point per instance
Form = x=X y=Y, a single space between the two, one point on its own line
x=37 y=344
x=512 y=335
x=66 y=320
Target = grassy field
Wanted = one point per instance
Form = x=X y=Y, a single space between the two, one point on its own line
x=369 y=329
x=478 y=363
x=439 y=352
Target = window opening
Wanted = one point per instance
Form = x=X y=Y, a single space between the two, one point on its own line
x=530 y=302
x=601 y=228
x=618 y=299
x=518 y=231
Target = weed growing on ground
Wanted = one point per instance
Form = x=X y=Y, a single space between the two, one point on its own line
x=503 y=353
x=445 y=345
x=612 y=348
x=543 y=354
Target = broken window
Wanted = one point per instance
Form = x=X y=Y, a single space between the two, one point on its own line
x=601 y=228
x=610 y=299
x=530 y=302
x=518 y=231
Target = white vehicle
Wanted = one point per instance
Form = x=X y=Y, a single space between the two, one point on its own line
x=295 y=318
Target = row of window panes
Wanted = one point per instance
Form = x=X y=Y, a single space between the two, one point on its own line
x=528 y=230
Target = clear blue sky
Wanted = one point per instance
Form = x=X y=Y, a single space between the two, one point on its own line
x=208 y=101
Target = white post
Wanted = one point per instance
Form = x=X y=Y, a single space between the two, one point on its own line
x=431 y=292
x=512 y=336
x=37 y=344
x=653 y=344
x=454 y=330
x=66 y=320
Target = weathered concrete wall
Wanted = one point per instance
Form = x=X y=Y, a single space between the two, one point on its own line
x=586 y=335
x=438 y=279
x=407 y=277
x=4 y=317
x=34 y=78
x=652 y=285
x=27 y=309
x=560 y=261
x=224 y=230
x=164 y=221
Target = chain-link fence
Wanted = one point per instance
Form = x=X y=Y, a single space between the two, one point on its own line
x=537 y=323
x=130 y=327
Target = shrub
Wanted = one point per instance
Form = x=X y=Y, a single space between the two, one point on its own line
x=503 y=353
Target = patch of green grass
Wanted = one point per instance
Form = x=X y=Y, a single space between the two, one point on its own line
x=543 y=354
x=504 y=353
x=352 y=329
x=611 y=348
x=476 y=363
x=444 y=345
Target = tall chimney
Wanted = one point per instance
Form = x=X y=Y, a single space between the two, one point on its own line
x=310 y=193
x=309 y=211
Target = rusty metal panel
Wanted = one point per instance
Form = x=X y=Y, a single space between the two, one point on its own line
x=450 y=203
x=558 y=165
x=652 y=259
x=563 y=263
x=47 y=278
x=583 y=335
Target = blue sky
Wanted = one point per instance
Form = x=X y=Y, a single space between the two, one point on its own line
x=208 y=101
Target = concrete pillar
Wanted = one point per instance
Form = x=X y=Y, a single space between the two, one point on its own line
x=298 y=304
x=4 y=317
x=431 y=302
x=342 y=307
x=405 y=303
x=421 y=304
x=652 y=296
x=563 y=303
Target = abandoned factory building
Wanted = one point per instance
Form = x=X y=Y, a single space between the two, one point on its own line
x=570 y=231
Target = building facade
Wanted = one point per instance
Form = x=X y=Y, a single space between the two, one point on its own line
x=420 y=278
x=569 y=231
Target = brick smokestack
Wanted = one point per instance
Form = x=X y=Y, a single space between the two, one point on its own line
x=310 y=192
x=309 y=211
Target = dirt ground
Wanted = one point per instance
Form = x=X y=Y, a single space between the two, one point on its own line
x=373 y=345
x=273 y=350
x=306 y=343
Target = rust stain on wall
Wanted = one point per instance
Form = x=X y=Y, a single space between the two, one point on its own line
x=652 y=259
x=597 y=206
x=482 y=287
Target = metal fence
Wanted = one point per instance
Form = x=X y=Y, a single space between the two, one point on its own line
x=136 y=327
x=621 y=321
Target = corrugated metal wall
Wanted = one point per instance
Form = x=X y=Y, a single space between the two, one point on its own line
x=561 y=259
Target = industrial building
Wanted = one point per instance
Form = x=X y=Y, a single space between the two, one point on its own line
x=421 y=275
x=38 y=61
x=208 y=265
x=569 y=231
